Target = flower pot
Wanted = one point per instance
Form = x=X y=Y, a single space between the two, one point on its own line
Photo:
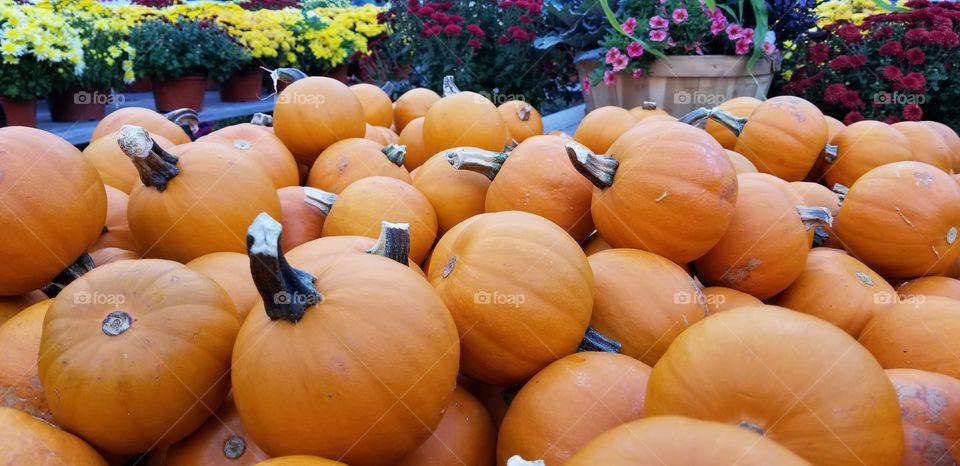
x=19 y=112
x=140 y=85
x=681 y=84
x=182 y=92
x=78 y=106
x=212 y=84
x=243 y=86
x=339 y=72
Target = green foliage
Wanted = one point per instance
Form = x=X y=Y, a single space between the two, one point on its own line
x=167 y=50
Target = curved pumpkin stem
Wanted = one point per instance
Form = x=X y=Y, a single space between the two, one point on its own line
x=648 y=105
x=186 y=118
x=155 y=165
x=287 y=292
x=596 y=341
x=394 y=242
x=284 y=75
x=725 y=118
x=449 y=87
x=830 y=153
x=319 y=199
x=841 y=191
x=599 y=169
x=517 y=460
x=485 y=162
x=524 y=113
x=261 y=119
x=814 y=216
x=395 y=153
x=77 y=269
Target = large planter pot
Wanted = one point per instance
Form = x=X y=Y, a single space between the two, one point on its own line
x=19 y=112
x=339 y=72
x=681 y=84
x=78 y=106
x=243 y=86
x=140 y=85
x=182 y=92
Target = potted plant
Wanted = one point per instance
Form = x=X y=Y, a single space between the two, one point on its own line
x=179 y=56
x=329 y=37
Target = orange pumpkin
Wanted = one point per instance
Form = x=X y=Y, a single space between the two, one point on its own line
x=862 y=147
x=926 y=144
x=154 y=122
x=931 y=286
x=595 y=244
x=377 y=107
x=349 y=160
x=262 y=147
x=116 y=232
x=569 y=403
x=221 y=440
x=454 y=194
x=793 y=378
x=921 y=332
x=646 y=203
x=54 y=207
x=313 y=113
x=834 y=126
x=647 y=110
x=300 y=460
x=412 y=138
x=495 y=399
x=602 y=126
x=739 y=107
x=720 y=299
x=901 y=220
x=463 y=119
x=411 y=105
x=302 y=217
x=740 y=163
x=445 y=244
x=510 y=328
x=231 y=270
x=393 y=243
x=113 y=165
x=19 y=346
x=11 y=305
x=367 y=387
x=466 y=436
x=27 y=440
x=930 y=408
x=522 y=119
x=104 y=256
x=93 y=347
x=950 y=137
x=680 y=440
x=381 y=135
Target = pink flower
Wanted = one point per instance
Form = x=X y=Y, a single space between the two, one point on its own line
x=743 y=46
x=637 y=73
x=671 y=43
x=716 y=27
x=476 y=30
x=769 y=48
x=658 y=23
x=748 y=33
x=658 y=35
x=609 y=78
x=474 y=43
x=680 y=15
x=620 y=63
x=635 y=49
x=586 y=85
x=629 y=26
x=734 y=31
x=612 y=55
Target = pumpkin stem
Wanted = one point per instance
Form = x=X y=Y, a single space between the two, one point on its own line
x=287 y=292
x=77 y=269
x=261 y=119
x=596 y=341
x=814 y=216
x=648 y=105
x=599 y=169
x=485 y=162
x=234 y=447
x=395 y=153
x=449 y=87
x=725 y=118
x=751 y=426
x=830 y=153
x=116 y=323
x=841 y=191
x=524 y=113
x=155 y=165
x=394 y=242
x=319 y=199
x=186 y=118
x=284 y=75
x=517 y=460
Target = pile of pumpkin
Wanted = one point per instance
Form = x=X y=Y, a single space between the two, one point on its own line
x=433 y=281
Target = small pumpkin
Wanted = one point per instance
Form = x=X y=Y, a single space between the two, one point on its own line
x=829 y=152
x=113 y=165
x=12 y=305
x=231 y=270
x=19 y=346
x=393 y=243
x=381 y=135
x=27 y=440
x=463 y=118
x=740 y=163
x=349 y=160
x=862 y=147
x=595 y=243
x=495 y=399
x=454 y=194
x=602 y=126
x=116 y=232
x=931 y=286
x=916 y=333
x=569 y=403
x=786 y=376
x=411 y=105
x=445 y=244
x=522 y=119
x=647 y=110
x=154 y=122
x=720 y=299
x=222 y=440
x=313 y=113
x=300 y=460
x=377 y=107
x=930 y=408
x=412 y=138
x=927 y=145
x=950 y=137
x=303 y=217
x=466 y=436
x=740 y=107
x=262 y=147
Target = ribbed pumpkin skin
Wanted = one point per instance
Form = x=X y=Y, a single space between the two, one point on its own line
x=927 y=145
x=721 y=299
x=19 y=345
x=26 y=440
x=737 y=106
x=519 y=129
x=641 y=113
x=302 y=222
x=569 y=403
x=231 y=270
x=104 y=256
x=207 y=445
x=807 y=384
x=466 y=436
x=315 y=112
x=950 y=137
x=862 y=147
x=259 y=144
x=114 y=167
x=930 y=408
x=411 y=105
x=154 y=122
x=333 y=247
x=412 y=138
x=931 y=286
x=464 y=119
x=740 y=163
x=455 y=195
x=918 y=333
x=784 y=137
x=349 y=160
x=54 y=207
x=377 y=107
x=602 y=126
x=12 y=305
x=682 y=441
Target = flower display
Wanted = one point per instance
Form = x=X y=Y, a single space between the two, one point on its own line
x=854 y=11
x=36 y=45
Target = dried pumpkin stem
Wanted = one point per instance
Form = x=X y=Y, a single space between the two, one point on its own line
x=285 y=75
x=393 y=243
x=287 y=292
x=648 y=105
x=830 y=153
x=395 y=153
x=841 y=191
x=319 y=199
x=261 y=119
x=116 y=323
x=186 y=118
x=596 y=341
x=599 y=169
x=517 y=460
x=751 y=426
x=77 y=269
x=449 y=86
x=485 y=162
x=814 y=216
x=524 y=113
x=155 y=165
x=725 y=118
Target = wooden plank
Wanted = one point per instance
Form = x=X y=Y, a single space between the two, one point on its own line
x=564 y=120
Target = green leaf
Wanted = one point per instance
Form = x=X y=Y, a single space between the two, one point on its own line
x=612 y=19
x=759 y=32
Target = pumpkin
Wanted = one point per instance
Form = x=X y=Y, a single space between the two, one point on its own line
x=783 y=136
x=313 y=113
x=302 y=217
x=510 y=325
x=625 y=277
x=54 y=207
x=113 y=165
x=740 y=163
x=93 y=349
x=463 y=119
x=412 y=138
x=366 y=387
x=262 y=147
x=765 y=248
x=569 y=403
x=393 y=243
x=790 y=377
x=829 y=152
x=680 y=440
x=19 y=346
x=560 y=133
x=154 y=122
x=300 y=460
x=930 y=408
x=595 y=244
x=862 y=147
x=445 y=244
x=466 y=435
x=646 y=202
x=927 y=145
x=221 y=440
x=196 y=200
x=27 y=440
x=362 y=206
x=381 y=135
x=377 y=107
x=349 y=160
x=901 y=220
x=411 y=105
x=231 y=270
x=817 y=195
x=495 y=399
x=719 y=299
x=647 y=110
x=104 y=256
x=950 y=137
x=602 y=126
x=11 y=305
x=838 y=289
x=454 y=194
x=116 y=232
x=739 y=107
x=931 y=286
x=522 y=119
x=916 y=333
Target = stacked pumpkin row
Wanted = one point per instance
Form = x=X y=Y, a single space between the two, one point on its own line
x=377 y=282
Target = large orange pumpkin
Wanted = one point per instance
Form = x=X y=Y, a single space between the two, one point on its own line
x=349 y=160
x=927 y=145
x=231 y=270
x=412 y=138
x=315 y=112
x=303 y=217
x=791 y=377
x=520 y=290
x=411 y=105
x=466 y=436
x=569 y=403
x=921 y=332
x=454 y=194
x=27 y=440
x=602 y=126
x=739 y=107
x=862 y=147
x=112 y=164
x=196 y=200
x=931 y=286
x=720 y=299
x=377 y=107
x=834 y=126
x=445 y=244
x=222 y=440
x=19 y=345
x=679 y=440
x=784 y=136
x=381 y=135
x=154 y=122
x=53 y=207
x=366 y=387
x=647 y=202
x=464 y=118
x=12 y=305
x=116 y=231
x=930 y=408
x=151 y=324
x=104 y=256
x=901 y=219
x=261 y=146
x=522 y=119
x=950 y=137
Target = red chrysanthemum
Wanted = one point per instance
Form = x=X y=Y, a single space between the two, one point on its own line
x=915 y=56
x=912 y=112
x=818 y=53
x=891 y=48
x=474 y=43
x=453 y=29
x=503 y=40
x=891 y=119
x=851 y=100
x=847 y=62
x=915 y=36
x=914 y=82
x=849 y=33
x=853 y=117
x=834 y=93
x=892 y=73
x=476 y=30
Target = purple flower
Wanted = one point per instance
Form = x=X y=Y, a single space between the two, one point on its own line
x=658 y=23
x=609 y=78
x=635 y=49
x=658 y=35
x=743 y=46
x=612 y=55
x=629 y=25
x=734 y=31
x=680 y=15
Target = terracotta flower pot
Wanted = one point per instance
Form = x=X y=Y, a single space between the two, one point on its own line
x=19 y=112
x=140 y=85
x=79 y=106
x=339 y=72
x=243 y=86
x=182 y=92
